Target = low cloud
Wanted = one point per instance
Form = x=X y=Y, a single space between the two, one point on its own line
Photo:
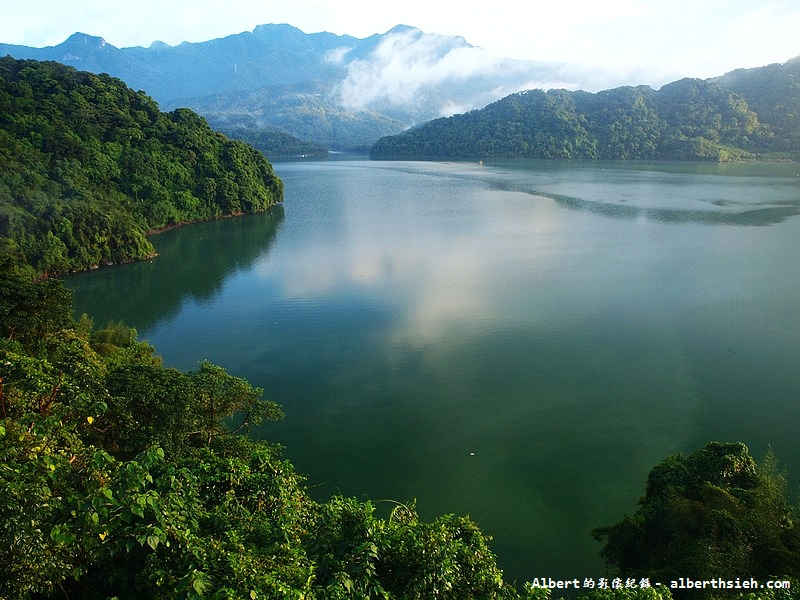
x=410 y=70
x=337 y=55
x=422 y=76
x=409 y=63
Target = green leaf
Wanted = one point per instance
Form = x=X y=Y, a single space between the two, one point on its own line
x=200 y=582
x=152 y=541
x=60 y=536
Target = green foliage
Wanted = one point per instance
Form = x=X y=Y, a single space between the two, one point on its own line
x=30 y=310
x=273 y=142
x=36 y=473
x=774 y=93
x=447 y=558
x=220 y=395
x=686 y=120
x=117 y=343
x=147 y=405
x=359 y=555
x=714 y=513
x=88 y=167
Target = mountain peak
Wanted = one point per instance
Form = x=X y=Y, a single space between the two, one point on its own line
x=90 y=41
x=403 y=29
x=159 y=45
x=272 y=27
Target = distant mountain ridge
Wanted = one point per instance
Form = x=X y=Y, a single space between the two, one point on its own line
x=336 y=90
x=342 y=92
x=170 y=73
x=753 y=113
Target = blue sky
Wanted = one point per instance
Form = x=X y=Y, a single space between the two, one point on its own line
x=665 y=39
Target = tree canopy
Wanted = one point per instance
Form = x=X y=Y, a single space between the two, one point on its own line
x=690 y=119
x=773 y=92
x=88 y=168
x=715 y=513
x=273 y=141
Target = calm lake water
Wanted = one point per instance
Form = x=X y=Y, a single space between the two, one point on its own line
x=520 y=342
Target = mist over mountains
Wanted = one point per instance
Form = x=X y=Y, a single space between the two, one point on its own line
x=340 y=91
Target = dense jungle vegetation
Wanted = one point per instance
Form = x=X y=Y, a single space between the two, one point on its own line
x=690 y=119
x=88 y=167
x=274 y=142
x=714 y=512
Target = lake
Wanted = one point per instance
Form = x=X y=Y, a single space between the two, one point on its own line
x=517 y=341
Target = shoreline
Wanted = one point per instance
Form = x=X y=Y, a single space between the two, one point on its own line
x=151 y=233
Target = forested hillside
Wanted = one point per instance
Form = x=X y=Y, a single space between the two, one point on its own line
x=774 y=93
x=689 y=119
x=272 y=141
x=88 y=167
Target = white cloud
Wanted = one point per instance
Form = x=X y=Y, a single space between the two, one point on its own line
x=409 y=68
x=405 y=62
x=337 y=55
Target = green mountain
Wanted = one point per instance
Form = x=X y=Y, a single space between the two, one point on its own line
x=744 y=114
x=88 y=167
x=270 y=141
x=773 y=92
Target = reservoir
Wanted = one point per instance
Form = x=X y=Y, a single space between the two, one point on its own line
x=517 y=341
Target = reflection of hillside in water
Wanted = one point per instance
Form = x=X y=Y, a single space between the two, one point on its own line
x=706 y=194
x=193 y=263
x=755 y=216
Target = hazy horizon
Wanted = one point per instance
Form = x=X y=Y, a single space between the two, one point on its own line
x=630 y=41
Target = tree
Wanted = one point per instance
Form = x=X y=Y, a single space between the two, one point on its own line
x=359 y=555
x=714 y=513
x=219 y=395
x=30 y=310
